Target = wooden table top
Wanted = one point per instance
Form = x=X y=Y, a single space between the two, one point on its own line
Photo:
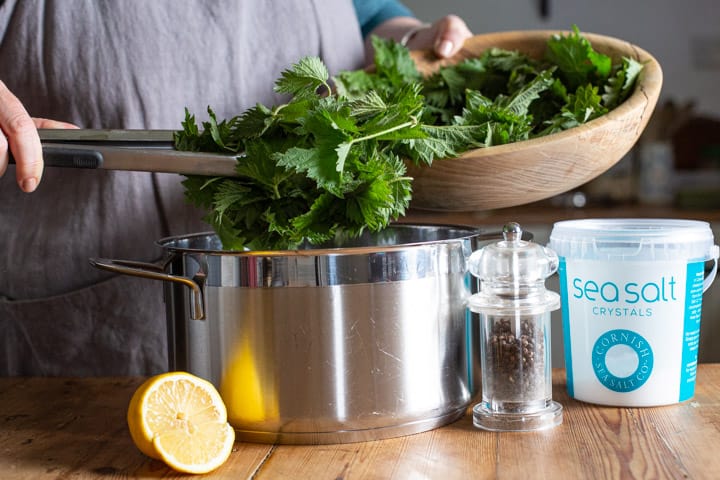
x=75 y=428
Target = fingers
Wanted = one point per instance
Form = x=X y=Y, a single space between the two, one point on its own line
x=445 y=37
x=19 y=135
x=48 y=123
x=450 y=34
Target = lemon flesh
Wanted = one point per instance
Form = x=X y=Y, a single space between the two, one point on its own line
x=181 y=419
x=199 y=449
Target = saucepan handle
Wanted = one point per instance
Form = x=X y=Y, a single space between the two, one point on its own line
x=154 y=272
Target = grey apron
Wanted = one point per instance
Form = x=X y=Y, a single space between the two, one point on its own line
x=124 y=64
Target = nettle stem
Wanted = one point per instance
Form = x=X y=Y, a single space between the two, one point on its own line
x=410 y=123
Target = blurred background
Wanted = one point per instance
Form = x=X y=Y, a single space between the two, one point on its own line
x=684 y=36
x=674 y=170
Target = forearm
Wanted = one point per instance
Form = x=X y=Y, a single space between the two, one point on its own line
x=395 y=28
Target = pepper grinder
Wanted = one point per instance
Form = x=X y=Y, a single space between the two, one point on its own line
x=514 y=308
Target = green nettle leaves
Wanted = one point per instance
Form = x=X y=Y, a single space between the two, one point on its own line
x=331 y=161
x=577 y=62
x=304 y=78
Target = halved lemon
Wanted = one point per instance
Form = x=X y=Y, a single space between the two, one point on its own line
x=181 y=419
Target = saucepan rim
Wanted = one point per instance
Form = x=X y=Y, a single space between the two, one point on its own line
x=454 y=233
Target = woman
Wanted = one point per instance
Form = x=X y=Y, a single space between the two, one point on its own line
x=138 y=66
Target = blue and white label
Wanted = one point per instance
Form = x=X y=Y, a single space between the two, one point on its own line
x=631 y=330
x=622 y=360
x=691 y=334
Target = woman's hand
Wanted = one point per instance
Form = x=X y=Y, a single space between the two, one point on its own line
x=445 y=36
x=19 y=135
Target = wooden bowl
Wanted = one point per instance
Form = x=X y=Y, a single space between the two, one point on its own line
x=531 y=170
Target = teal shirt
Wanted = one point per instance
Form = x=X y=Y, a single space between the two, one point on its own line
x=372 y=13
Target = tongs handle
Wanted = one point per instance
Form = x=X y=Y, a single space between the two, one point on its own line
x=69 y=157
x=108 y=137
x=57 y=155
x=135 y=150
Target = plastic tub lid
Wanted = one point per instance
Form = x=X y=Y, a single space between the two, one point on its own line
x=634 y=238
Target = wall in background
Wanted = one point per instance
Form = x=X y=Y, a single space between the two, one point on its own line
x=683 y=36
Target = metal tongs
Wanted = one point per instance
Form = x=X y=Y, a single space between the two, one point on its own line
x=137 y=150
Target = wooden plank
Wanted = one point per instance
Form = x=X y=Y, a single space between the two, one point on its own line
x=63 y=427
x=454 y=451
x=75 y=428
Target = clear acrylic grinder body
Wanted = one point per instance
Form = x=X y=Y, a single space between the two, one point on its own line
x=514 y=308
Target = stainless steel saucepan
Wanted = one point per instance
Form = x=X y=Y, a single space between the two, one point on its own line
x=358 y=340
